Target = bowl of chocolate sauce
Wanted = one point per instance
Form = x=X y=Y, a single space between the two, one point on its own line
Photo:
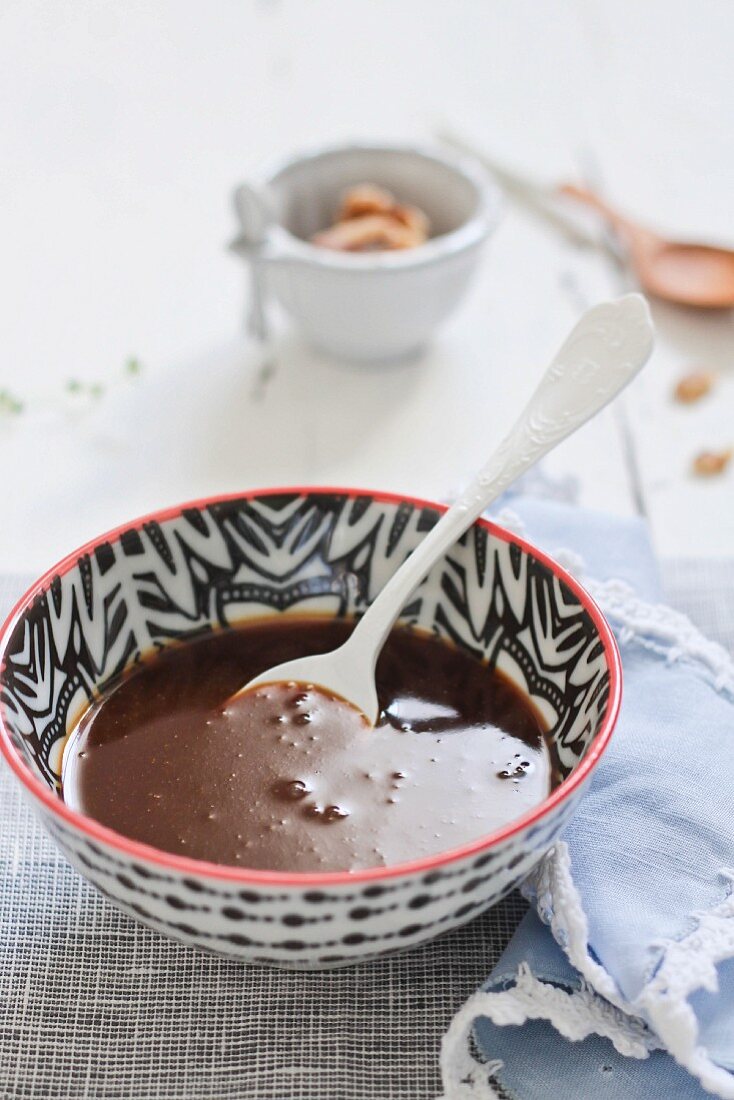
x=278 y=826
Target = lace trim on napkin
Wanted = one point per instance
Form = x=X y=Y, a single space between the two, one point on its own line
x=686 y=964
x=596 y=1008
x=575 y=1014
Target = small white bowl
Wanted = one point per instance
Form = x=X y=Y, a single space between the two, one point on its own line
x=377 y=305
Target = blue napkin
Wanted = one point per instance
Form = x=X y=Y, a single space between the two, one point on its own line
x=619 y=983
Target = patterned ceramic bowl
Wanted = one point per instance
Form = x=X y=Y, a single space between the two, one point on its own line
x=212 y=563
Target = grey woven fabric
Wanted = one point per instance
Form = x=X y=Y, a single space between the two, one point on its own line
x=95 y=1007
x=703 y=590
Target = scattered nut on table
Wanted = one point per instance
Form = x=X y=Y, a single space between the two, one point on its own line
x=691 y=387
x=370 y=219
x=711 y=463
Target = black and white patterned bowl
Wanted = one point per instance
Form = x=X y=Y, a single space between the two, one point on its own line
x=209 y=564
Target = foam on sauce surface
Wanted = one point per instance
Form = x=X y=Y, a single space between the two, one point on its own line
x=288 y=778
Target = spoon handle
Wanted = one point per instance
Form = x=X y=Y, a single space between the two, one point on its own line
x=545 y=201
x=254 y=208
x=590 y=198
x=604 y=352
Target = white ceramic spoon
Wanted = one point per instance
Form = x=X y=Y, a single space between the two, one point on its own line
x=604 y=352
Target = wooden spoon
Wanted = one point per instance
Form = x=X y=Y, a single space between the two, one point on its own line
x=604 y=352
x=688 y=274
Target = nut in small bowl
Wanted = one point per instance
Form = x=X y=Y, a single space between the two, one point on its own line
x=371 y=220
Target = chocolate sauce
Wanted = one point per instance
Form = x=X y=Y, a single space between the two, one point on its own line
x=288 y=778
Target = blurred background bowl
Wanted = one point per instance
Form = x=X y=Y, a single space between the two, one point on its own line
x=383 y=304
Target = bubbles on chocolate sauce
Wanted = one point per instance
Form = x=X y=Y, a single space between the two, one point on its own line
x=327 y=813
x=291 y=789
x=515 y=771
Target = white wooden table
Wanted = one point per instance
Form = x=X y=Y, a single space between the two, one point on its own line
x=124 y=128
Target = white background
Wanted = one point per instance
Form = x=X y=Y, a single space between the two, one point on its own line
x=124 y=127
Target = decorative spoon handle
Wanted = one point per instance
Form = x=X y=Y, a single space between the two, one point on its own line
x=604 y=352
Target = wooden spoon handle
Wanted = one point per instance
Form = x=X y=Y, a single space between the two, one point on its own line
x=590 y=198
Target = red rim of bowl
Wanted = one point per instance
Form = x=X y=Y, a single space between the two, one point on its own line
x=192 y=867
